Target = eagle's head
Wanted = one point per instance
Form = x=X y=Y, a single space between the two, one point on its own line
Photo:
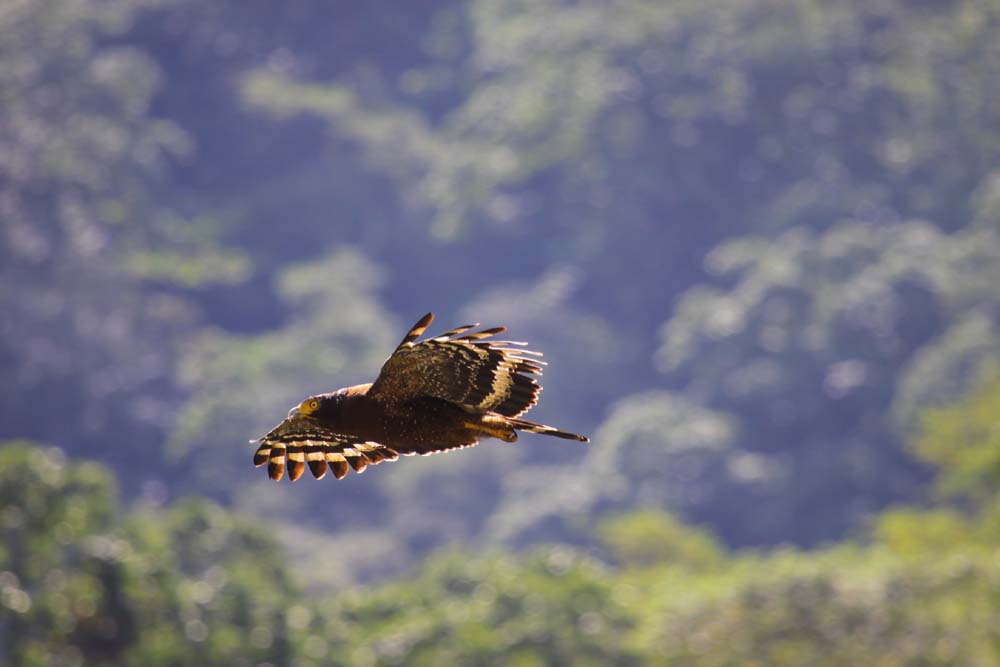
x=326 y=406
x=305 y=408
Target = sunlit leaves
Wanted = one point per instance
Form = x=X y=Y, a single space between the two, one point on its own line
x=54 y=512
x=646 y=538
x=550 y=607
x=963 y=441
x=857 y=613
x=80 y=586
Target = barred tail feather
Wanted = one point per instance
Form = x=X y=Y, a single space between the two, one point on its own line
x=532 y=427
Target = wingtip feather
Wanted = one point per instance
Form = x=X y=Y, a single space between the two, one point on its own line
x=417 y=329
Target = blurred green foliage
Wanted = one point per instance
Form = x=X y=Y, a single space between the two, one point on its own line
x=551 y=607
x=964 y=442
x=648 y=537
x=81 y=583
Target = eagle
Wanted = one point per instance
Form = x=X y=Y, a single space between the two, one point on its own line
x=434 y=395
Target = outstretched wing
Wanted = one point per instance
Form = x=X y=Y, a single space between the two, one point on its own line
x=463 y=368
x=296 y=442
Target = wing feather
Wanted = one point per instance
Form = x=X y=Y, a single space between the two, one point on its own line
x=462 y=368
x=417 y=330
x=297 y=443
x=456 y=331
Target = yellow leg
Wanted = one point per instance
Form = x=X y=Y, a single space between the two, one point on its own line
x=493 y=429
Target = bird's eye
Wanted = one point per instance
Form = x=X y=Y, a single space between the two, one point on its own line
x=313 y=405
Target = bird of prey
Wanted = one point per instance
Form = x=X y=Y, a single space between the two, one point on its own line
x=434 y=395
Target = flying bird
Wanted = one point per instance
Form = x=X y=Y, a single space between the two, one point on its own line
x=434 y=395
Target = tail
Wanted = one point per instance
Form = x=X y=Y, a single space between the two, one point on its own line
x=532 y=427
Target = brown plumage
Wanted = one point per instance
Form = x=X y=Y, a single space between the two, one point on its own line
x=434 y=395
